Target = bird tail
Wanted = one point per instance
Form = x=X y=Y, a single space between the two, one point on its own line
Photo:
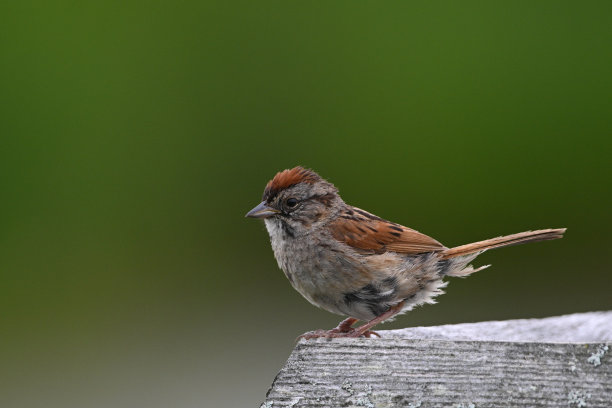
x=514 y=239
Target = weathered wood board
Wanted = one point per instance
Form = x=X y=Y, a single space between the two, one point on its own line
x=461 y=366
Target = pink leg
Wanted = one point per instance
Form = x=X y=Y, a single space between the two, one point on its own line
x=364 y=330
x=345 y=329
x=345 y=326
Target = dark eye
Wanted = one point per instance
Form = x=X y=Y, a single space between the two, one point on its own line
x=291 y=202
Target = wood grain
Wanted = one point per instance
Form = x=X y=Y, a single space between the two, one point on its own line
x=396 y=371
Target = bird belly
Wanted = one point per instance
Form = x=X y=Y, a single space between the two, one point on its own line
x=344 y=282
x=316 y=276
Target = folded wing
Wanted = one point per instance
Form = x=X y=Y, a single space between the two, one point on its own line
x=364 y=231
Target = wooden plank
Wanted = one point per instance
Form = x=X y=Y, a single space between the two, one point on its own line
x=589 y=327
x=397 y=371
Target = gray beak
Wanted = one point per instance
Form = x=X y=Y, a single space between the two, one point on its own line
x=262 y=211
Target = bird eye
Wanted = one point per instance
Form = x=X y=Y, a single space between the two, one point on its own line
x=291 y=202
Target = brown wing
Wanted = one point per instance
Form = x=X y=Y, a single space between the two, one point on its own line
x=362 y=230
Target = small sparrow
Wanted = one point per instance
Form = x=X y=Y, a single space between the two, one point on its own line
x=351 y=262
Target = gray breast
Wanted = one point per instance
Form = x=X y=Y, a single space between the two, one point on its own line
x=313 y=268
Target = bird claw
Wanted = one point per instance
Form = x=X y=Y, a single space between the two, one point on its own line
x=336 y=333
x=315 y=334
x=370 y=333
x=358 y=333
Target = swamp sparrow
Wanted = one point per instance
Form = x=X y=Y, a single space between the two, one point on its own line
x=353 y=263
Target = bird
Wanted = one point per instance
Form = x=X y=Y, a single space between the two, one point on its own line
x=353 y=263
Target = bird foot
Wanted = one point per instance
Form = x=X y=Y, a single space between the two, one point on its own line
x=370 y=333
x=336 y=333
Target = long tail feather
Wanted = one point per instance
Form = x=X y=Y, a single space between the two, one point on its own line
x=514 y=239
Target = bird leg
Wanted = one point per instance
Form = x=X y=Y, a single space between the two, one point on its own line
x=345 y=329
x=345 y=326
x=364 y=330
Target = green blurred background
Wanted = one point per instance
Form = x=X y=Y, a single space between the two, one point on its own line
x=136 y=135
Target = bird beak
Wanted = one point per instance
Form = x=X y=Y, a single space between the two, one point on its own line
x=262 y=211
